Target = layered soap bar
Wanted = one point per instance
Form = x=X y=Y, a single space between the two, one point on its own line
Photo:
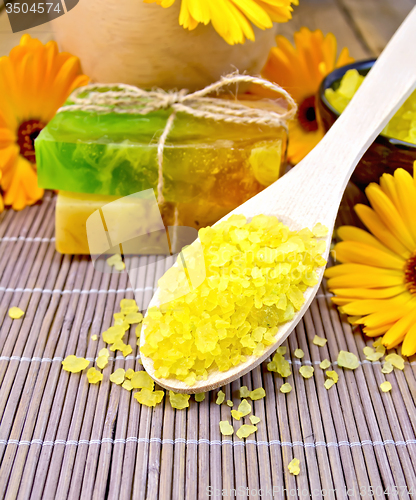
x=102 y=225
x=209 y=167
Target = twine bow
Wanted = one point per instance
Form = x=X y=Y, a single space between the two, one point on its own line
x=127 y=99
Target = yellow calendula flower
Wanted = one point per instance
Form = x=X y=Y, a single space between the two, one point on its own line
x=300 y=69
x=35 y=80
x=376 y=282
x=231 y=18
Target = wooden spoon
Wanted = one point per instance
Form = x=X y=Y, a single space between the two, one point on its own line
x=312 y=191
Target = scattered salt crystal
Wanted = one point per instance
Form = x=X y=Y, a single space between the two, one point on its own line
x=15 y=313
x=306 y=371
x=226 y=428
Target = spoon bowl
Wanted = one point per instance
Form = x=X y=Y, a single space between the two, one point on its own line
x=311 y=192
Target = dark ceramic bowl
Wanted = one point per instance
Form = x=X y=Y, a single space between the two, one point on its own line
x=385 y=154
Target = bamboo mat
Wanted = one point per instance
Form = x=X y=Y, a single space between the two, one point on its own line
x=61 y=437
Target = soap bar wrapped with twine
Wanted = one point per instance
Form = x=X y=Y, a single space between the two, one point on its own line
x=102 y=100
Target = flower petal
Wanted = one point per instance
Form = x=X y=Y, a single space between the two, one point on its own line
x=361 y=253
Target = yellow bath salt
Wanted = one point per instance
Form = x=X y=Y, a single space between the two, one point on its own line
x=332 y=374
x=149 y=398
x=294 y=466
x=299 y=353
x=179 y=401
x=94 y=376
x=386 y=386
x=306 y=371
x=236 y=414
x=127 y=385
x=113 y=259
x=329 y=383
x=220 y=398
x=256 y=274
x=123 y=323
x=119 y=266
x=200 y=397
x=118 y=376
x=244 y=407
x=94 y=337
x=325 y=364
x=138 y=330
x=118 y=345
x=319 y=230
x=279 y=365
x=319 y=341
x=119 y=315
x=113 y=334
x=371 y=354
x=226 y=428
x=128 y=306
x=127 y=350
x=244 y=392
x=254 y=420
x=142 y=380
x=347 y=360
x=134 y=318
x=16 y=313
x=378 y=346
x=74 y=365
x=129 y=373
x=246 y=430
x=286 y=388
x=387 y=367
x=104 y=352
x=282 y=350
x=257 y=394
x=102 y=362
x=230 y=403
x=396 y=360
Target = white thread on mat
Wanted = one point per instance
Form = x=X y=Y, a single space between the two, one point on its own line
x=275 y=442
x=26 y=238
x=59 y=359
x=296 y=361
x=76 y=290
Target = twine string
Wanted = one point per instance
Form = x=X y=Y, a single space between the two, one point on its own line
x=104 y=98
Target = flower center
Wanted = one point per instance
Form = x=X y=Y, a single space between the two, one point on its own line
x=307 y=114
x=410 y=274
x=26 y=135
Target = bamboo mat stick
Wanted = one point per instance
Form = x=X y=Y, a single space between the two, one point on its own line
x=203 y=447
x=253 y=480
x=191 y=465
x=271 y=425
x=349 y=390
x=322 y=414
x=297 y=420
x=239 y=455
x=263 y=453
x=330 y=405
x=215 y=452
x=283 y=402
x=179 y=455
x=227 y=442
x=312 y=427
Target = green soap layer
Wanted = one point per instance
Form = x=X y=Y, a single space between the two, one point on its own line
x=115 y=154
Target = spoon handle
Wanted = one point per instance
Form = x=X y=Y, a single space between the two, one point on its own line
x=389 y=83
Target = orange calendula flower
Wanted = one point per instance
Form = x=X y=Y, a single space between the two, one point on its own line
x=376 y=282
x=231 y=18
x=35 y=80
x=300 y=69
